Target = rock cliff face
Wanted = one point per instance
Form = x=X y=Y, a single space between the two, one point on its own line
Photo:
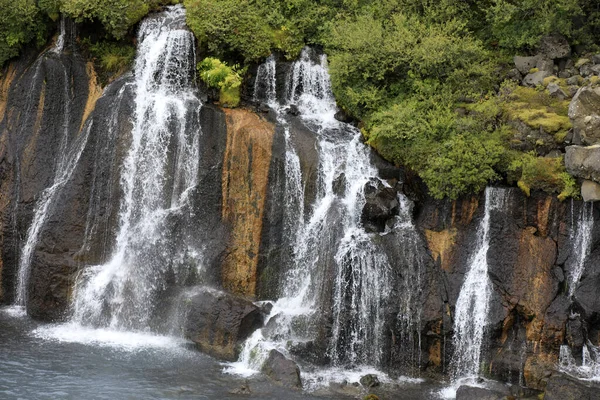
x=53 y=99
x=247 y=160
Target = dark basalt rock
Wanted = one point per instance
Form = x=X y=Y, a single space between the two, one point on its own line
x=555 y=46
x=218 y=322
x=381 y=205
x=282 y=370
x=370 y=381
x=478 y=393
x=564 y=387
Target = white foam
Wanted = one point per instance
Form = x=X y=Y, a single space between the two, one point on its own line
x=318 y=379
x=14 y=311
x=123 y=340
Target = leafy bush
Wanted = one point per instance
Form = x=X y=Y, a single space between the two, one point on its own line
x=218 y=75
x=113 y=57
x=226 y=27
x=20 y=23
x=548 y=174
x=521 y=24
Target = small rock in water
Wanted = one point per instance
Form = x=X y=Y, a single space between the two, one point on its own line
x=244 y=389
x=370 y=381
x=293 y=110
x=282 y=370
x=371 y=397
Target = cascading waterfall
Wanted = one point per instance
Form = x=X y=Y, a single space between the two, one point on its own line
x=581 y=239
x=68 y=155
x=329 y=236
x=409 y=318
x=472 y=306
x=158 y=174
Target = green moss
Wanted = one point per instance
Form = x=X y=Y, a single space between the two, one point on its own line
x=581 y=62
x=560 y=136
x=112 y=57
x=542 y=173
x=550 y=79
x=537 y=109
x=533 y=70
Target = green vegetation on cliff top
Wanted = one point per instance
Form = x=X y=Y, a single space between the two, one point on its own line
x=422 y=76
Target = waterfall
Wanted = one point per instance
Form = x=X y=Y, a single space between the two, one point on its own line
x=590 y=362
x=472 y=306
x=158 y=174
x=409 y=244
x=581 y=239
x=329 y=238
x=265 y=85
x=68 y=155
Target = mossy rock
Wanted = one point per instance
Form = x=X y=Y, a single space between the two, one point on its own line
x=550 y=79
x=581 y=62
x=537 y=109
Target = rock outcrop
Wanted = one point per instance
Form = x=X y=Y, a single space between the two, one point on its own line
x=584 y=112
x=219 y=322
x=282 y=370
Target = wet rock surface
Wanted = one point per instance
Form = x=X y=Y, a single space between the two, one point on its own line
x=282 y=370
x=564 y=387
x=218 y=322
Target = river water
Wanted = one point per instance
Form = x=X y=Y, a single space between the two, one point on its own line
x=114 y=367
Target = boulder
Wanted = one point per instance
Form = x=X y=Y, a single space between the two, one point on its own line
x=282 y=370
x=478 y=393
x=381 y=205
x=563 y=387
x=590 y=191
x=535 y=79
x=583 y=162
x=370 y=381
x=556 y=91
x=218 y=322
x=524 y=64
x=544 y=64
x=584 y=112
x=514 y=75
x=574 y=80
x=555 y=46
x=596 y=59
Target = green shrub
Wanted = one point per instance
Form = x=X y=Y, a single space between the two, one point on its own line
x=218 y=75
x=521 y=24
x=113 y=57
x=227 y=27
x=541 y=173
x=20 y=23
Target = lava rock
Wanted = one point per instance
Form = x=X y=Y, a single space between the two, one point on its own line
x=218 y=322
x=555 y=46
x=514 y=75
x=556 y=91
x=477 y=393
x=381 y=205
x=583 y=162
x=546 y=65
x=370 y=381
x=282 y=370
x=590 y=191
x=563 y=387
x=524 y=64
x=584 y=112
x=535 y=79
